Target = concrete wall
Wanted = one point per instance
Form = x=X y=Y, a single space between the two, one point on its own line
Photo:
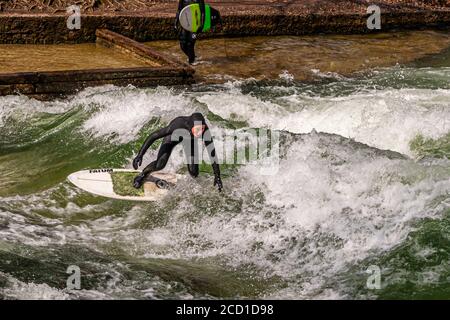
x=46 y=28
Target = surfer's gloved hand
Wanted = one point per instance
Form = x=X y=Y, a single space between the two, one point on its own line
x=137 y=162
x=218 y=183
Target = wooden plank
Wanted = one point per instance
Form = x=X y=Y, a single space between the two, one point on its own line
x=115 y=39
x=16 y=88
x=71 y=87
x=6 y=90
x=150 y=61
x=105 y=74
x=90 y=75
x=18 y=77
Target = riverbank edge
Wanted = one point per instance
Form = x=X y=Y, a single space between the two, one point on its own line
x=147 y=26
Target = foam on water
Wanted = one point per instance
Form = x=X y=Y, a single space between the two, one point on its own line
x=330 y=206
x=19 y=290
x=333 y=202
x=125 y=112
x=22 y=107
x=386 y=119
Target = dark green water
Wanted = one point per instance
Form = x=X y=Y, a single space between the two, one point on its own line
x=363 y=180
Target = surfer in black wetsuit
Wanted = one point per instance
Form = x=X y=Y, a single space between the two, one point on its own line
x=187 y=39
x=181 y=129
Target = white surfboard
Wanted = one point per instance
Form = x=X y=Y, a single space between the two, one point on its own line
x=190 y=17
x=99 y=182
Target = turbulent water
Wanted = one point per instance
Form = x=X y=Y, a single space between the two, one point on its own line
x=363 y=180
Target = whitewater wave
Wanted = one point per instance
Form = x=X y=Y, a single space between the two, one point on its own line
x=333 y=203
x=340 y=196
x=387 y=119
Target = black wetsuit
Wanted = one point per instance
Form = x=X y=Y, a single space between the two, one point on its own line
x=179 y=130
x=187 y=39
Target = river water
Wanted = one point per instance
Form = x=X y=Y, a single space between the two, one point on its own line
x=362 y=179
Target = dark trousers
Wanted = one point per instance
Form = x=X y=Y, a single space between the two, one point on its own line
x=165 y=150
x=187 y=44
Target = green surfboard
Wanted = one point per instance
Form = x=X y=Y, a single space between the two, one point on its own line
x=190 y=18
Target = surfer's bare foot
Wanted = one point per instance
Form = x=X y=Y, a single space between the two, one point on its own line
x=138 y=181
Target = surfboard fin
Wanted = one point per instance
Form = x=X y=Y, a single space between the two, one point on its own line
x=160 y=183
